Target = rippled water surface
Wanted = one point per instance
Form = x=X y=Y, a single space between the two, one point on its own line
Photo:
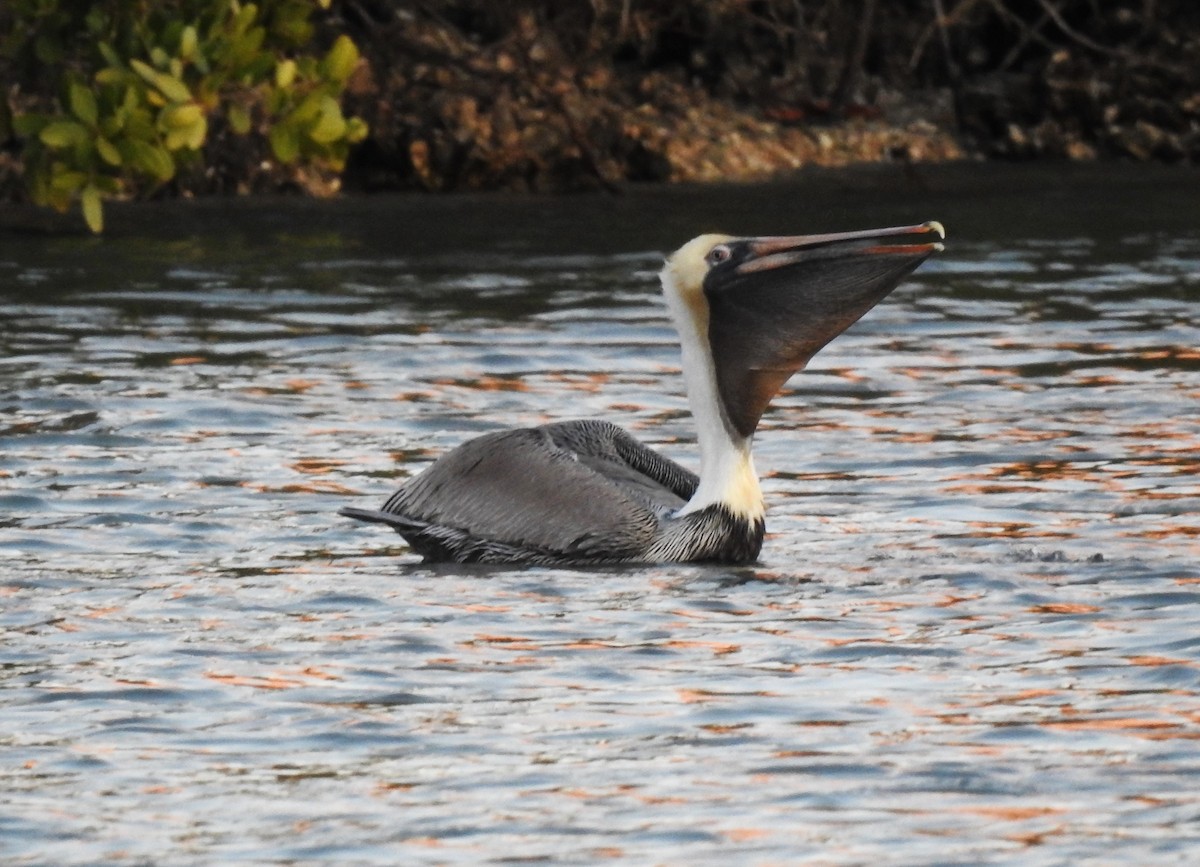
x=974 y=635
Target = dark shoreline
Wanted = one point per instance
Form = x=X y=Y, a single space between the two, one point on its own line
x=846 y=194
x=576 y=96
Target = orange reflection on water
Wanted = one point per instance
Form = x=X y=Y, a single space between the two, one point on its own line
x=317 y=466
x=1169 y=531
x=485 y=382
x=589 y=383
x=1024 y=435
x=1063 y=608
x=1059 y=470
x=965 y=488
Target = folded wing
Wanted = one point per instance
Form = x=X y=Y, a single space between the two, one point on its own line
x=575 y=490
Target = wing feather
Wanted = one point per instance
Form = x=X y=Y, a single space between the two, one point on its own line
x=558 y=489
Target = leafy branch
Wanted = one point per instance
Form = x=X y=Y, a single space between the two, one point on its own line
x=120 y=99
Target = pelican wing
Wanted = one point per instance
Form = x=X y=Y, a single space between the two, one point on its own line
x=582 y=490
x=613 y=453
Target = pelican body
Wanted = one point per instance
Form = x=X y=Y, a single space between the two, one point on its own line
x=750 y=312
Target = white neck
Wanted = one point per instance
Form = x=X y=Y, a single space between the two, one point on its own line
x=727 y=475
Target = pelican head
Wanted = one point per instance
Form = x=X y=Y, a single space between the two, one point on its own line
x=751 y=311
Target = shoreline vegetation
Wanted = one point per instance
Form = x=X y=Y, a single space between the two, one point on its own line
x=127 y=99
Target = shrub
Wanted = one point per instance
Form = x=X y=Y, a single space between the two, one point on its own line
x=118 y=98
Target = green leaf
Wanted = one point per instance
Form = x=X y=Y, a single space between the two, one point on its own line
x=245 y=49
x=83 y=103
x=188 y=42
x=169 y=86
x=341 y=60
x=197 y=133
x=152 y=160
x=190 y=135
x=143 y=69
x=309 y=111
x=111 y=75
x=284 y=142
x=63 y=134
x=172 y=88
x=356 y=130
x=245 y=17
x=139 y=124
x=111 y=125
x=239 y=119
x=108 y=151
x=110 y=55
x=331 y=125
x=181 y=116
x=93 y=208
x=66 y=181
x=285 y=74
x=290 y=22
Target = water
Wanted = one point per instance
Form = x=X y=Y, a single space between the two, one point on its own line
x=973 y=635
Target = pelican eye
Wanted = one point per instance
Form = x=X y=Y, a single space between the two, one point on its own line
x=717 y=255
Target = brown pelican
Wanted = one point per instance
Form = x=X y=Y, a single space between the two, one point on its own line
x=750 y=312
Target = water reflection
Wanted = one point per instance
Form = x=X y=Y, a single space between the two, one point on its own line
x=972 y=635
